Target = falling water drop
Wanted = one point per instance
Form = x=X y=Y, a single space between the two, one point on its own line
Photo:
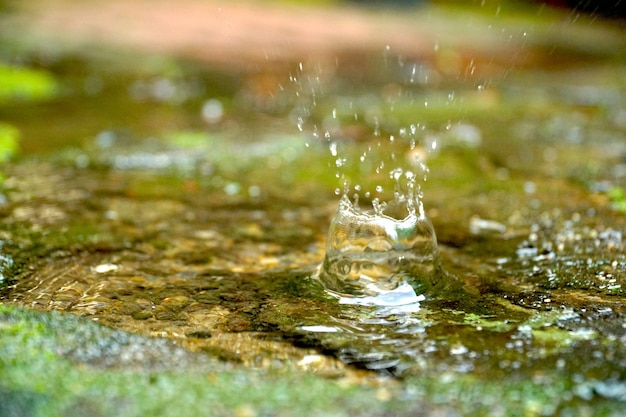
x=333 y=148
x=413 y=71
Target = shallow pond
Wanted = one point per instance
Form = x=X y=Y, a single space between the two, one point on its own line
x=189 y=204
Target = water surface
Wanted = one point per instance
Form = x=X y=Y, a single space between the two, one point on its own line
x=181 y=201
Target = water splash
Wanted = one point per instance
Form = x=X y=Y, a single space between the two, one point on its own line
x=386 y=256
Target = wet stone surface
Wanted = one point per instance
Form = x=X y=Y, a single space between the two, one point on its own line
x=219 y=278
x=182 y=245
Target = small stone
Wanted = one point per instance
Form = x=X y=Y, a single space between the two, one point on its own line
x=199 y=334
x=175 y=303
x=162 y=313
x=142 y=315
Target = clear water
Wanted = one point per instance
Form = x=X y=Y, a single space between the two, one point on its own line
x=376 y=259
x=234 y=215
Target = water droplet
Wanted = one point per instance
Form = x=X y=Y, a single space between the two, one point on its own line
x=378 y=207
x=396 y=174
x=333 y=148
x=300 y=123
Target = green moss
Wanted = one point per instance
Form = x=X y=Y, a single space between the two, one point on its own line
x=618 y=198
x=189 y=139
x=9 y=137
x=26 y=84
x=42 y=376
x=487 y=323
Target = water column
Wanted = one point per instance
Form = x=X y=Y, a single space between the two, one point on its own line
x=386 y=255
